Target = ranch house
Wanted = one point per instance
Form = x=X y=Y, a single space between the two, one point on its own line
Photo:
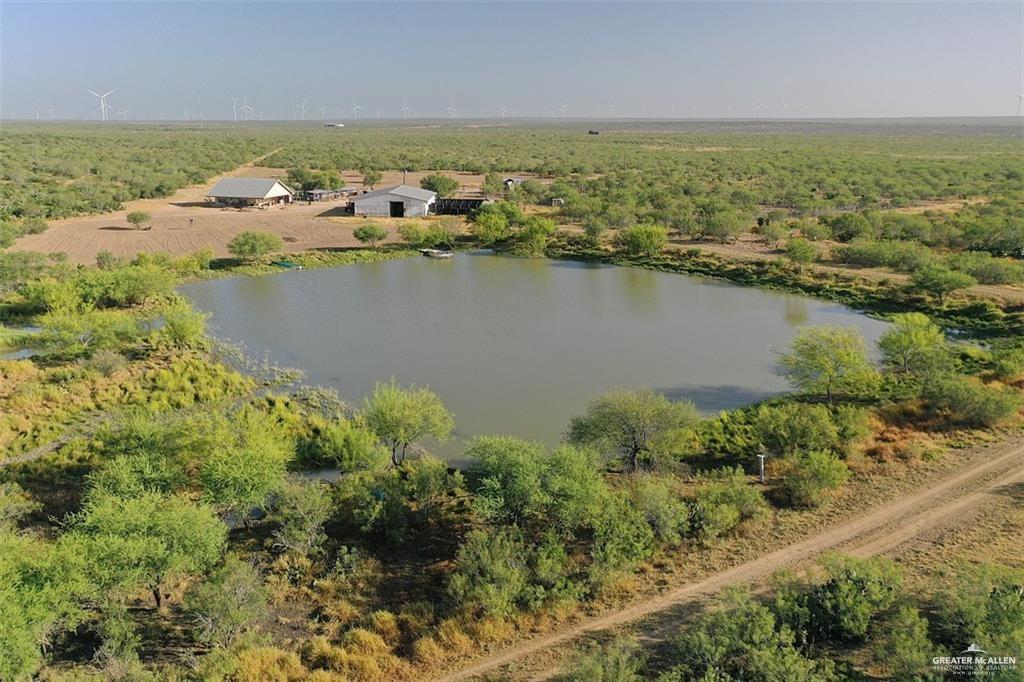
x=250 y=192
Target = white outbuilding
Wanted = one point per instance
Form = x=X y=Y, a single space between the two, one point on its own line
x=249 y=192
x=400 y=201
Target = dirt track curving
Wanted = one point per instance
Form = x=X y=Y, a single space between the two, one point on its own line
x=879 y=530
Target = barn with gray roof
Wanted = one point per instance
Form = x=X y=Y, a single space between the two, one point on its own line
x=400 y=201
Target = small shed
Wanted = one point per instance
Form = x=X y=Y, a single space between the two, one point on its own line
x=250 y=192
x=400 y=201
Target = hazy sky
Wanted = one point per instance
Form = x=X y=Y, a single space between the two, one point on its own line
x=797 y=60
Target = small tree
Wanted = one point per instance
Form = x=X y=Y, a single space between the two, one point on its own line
x=915 y=345
x=371 y=177
x=632 y=424
x=830 y=360
x=939 y=281
x=370 y=234
x=138 y=219
x=243 y=474
x=401 y=416
x=146 y=540
x=444 y=185
x=253 y=245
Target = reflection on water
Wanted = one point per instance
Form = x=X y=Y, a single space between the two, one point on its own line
x=795 y=310
x=518 y=346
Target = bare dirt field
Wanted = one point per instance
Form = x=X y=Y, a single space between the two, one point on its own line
x=184 y=223
x=884 y=529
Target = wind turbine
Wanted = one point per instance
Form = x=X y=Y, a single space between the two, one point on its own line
x=504 y=110
x=301 y=106
x=245 y=108
x=323 y=114
x=35 y=105
x=405 y=109
x=611 y=111
x=103 y=102
x=50 y=109
x=355 y=110
x=123 y=114
x=562 y=109
x=1020 y=106
x=234 y=108
x=380 y=111
x=452 y=111
x=643 y=110
x=757 y=109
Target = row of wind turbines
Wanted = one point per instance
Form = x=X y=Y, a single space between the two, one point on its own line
x=248 y=113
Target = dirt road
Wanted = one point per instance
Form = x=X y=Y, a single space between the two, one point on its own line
x=879 y=530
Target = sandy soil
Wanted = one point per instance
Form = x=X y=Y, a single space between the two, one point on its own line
x=879 y=530
x=185 y=223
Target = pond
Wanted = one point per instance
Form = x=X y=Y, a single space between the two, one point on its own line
x=518 y=346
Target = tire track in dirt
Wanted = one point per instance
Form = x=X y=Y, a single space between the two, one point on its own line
x=899 y=520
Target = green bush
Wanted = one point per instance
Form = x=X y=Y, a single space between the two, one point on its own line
x=800 y=250
x=622 y=539
x=724 y=499
x=846 y=606
x=794 y=427
x=962 y=401
x=811 y=477
x=849 y=226
x=491 y=573
x=983 y=605
x=300 y=510
x=663 y=508
x=519 y=482
x=900 y=256
x=370 y=234
x=254 y=245
x=742 y=640
x=230 y=601
x=347 y=445
x=620 y=660
x=642 y=240
x=985 y=268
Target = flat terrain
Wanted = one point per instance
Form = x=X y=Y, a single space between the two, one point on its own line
x=987 y=477
x=750 y=247
x=184 y=223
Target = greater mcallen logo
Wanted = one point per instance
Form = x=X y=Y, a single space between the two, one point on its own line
x=974 y=661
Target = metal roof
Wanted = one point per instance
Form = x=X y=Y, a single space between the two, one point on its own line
x=405 y=191
x=245 y=188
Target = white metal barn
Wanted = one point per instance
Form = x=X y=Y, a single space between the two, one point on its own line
x=249 y=192
x=397 y=202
